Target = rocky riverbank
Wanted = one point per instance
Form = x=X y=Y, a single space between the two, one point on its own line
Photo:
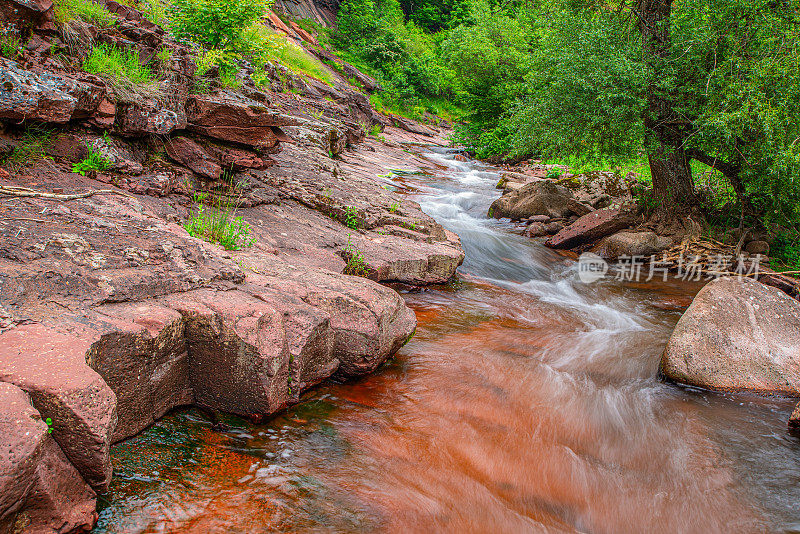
x=111 y=314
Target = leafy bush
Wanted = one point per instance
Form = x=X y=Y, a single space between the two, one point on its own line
x=215 y=23
x=95 y=161
x=86 y=10
x=129 y=79
x=218 y=223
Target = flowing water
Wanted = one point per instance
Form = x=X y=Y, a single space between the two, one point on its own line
x=527 y=402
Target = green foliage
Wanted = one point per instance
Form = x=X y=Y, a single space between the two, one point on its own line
x=10 y=45
x=356 y=264
x=33 y=148
x=375 y=37
x=785 y=250
x=129 y=78
x=394 y=207
x=95 y=161
x=215 y=23
x=351 y=217
x=217 y=222
x=263 y=45
x=86 y=10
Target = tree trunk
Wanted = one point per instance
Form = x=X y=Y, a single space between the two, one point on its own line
x=665 y=130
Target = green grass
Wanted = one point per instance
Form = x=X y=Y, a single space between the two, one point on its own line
x=130 y=80
x=266 y=45
x=351 y=217
x=86 y=10
x=34 y=145
x=10 y=46
x=218 y=223
x=95 y=161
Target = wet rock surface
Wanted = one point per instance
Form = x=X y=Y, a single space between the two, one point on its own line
x=111 y=314
x=738 y=335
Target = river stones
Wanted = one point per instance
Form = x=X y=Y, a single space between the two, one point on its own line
x=738 y=335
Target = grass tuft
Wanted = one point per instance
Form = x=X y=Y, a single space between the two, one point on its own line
x=130 y=80
x=85 y=10
x=217 y=222
x=95 y=161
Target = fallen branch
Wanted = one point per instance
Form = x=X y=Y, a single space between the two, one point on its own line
x=23 y=219
x=25 y=192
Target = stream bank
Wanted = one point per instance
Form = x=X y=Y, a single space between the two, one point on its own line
x=526 y=402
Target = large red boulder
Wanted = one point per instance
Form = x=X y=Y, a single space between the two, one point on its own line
x=738 y=334
x=40 y=491
x=593 y=226
x=44 y=96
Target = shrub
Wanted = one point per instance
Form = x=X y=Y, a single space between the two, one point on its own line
x=95 y=161
x=218 y=223
x=129 y=78
x=215 y=23
x=265 y=45
x=86 y=10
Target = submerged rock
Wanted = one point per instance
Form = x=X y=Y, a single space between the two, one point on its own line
x=794 y=420
x=737 y=335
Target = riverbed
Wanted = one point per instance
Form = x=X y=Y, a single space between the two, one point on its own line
x=526 y=402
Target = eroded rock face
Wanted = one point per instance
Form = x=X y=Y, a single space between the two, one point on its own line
x=51 y=368
x=43 y=96
x=537 y=198
x=233 y=117
x=40 y=491
x=737 y=335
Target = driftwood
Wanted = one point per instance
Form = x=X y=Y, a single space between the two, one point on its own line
x=25 y=192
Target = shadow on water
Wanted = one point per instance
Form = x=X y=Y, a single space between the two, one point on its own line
x=527 y=402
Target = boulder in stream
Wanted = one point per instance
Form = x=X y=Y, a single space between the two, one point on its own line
x=538 y=198
x=738 y=335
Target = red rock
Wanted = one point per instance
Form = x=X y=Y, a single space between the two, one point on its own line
x=592 y=227
x=47 y=97
x=239 y=351
x=151 y=118
x=738 y=334
x=235 y=118
x=51 y=368
x=38 y=486
x=188 y=153
x=141 y=354
x=238 y=158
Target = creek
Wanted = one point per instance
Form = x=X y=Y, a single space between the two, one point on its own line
x=526 y=402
